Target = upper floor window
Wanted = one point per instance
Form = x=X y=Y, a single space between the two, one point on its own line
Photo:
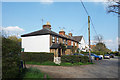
x=53 y=39
x=72 y=43
x=66 y=41
x=57 y=39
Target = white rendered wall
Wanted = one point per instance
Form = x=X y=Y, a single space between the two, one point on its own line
x=82 y=44
x=39 y=43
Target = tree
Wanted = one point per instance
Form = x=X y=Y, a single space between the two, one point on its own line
x=100 y=46
x=10 y=57
x=113 y=6
x=14 y=38
x=98 y=39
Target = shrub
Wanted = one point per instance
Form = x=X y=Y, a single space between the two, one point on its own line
x=37 y=56
x=10 y=58
x=74 y=58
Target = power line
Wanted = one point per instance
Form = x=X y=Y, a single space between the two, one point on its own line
x=88 y=15
x=84 y=8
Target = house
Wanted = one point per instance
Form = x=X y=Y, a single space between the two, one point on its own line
x=46 y=40
x=82 y=45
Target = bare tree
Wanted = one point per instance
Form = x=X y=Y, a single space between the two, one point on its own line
x=98 y=39
x=113 y=6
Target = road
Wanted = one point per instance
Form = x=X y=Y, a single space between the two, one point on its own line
x=106 y=68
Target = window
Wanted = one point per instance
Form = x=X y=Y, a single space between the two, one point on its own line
x=72 y=43
x=53 y=39
x=66 y=41
x=75 y=44
x=57 y=40
x=63 y=41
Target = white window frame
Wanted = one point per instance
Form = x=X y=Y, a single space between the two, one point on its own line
x=72 y=43
x=75 y=44
x=57 y=40
x=53 y=39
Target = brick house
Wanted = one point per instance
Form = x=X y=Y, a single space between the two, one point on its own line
x=46 y=40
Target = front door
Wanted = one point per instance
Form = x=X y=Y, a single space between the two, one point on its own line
x=59 y=52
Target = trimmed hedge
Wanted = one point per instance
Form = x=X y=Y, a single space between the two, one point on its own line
x=74 y=58
x=37 y=56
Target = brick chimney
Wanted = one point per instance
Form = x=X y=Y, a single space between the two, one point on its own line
x=47 y=26
x=62 y=32
x=70 y=34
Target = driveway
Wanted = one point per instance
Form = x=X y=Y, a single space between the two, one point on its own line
x=106 y=68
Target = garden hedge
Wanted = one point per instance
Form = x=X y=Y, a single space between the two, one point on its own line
x=37 y=56
x=74 y=58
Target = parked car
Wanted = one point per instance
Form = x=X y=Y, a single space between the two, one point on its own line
x=111 y=55
x=106 y=56
x=78 y=54
x=101 y=56
x=94 y=56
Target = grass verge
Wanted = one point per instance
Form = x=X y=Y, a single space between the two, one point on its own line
x=62 y=64
x=33 y=73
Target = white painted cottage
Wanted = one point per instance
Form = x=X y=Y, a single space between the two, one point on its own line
x=82 y=45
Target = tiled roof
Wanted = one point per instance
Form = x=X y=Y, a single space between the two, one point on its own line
x=78 y=38
x=55 y=46
x=46 y=31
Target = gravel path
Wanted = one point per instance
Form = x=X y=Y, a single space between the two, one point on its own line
x=106 y=68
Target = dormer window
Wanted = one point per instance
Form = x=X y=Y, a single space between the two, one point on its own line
x=53 y=39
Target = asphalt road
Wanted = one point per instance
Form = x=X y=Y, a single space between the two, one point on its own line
x=106 y=68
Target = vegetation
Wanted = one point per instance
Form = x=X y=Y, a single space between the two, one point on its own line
x=113 y=6
x=63 y=48
x=37 y=56
x=32 y=73
x=14 y=38
x=74 y=59
x=100 y=48
x=74 y=49
x=62 y=64
x=10 y=58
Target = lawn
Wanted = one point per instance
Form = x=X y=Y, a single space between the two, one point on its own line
x=62 y=64
x=33 y=73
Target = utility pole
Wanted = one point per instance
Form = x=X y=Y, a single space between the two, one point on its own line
x=89 y=38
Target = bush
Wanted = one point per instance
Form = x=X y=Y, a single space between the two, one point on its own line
x=10 y=58
x=74 y=58
x=37 y=56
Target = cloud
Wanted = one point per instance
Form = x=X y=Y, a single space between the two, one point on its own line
x=11 y=30
x=46 y=1
x=110 y=44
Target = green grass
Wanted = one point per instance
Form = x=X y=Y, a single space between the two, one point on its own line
x=32 y=73
x=62 y=64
